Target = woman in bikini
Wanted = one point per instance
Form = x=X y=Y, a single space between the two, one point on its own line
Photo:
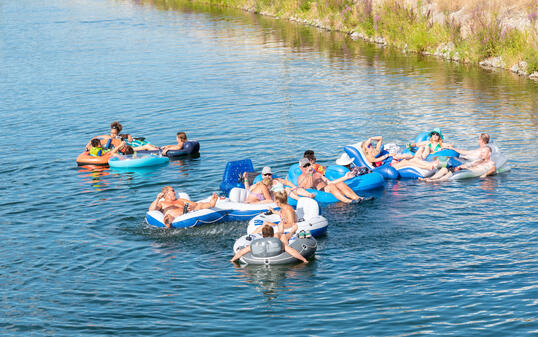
x=288 y=218
x=370 y=152
x=433 y=145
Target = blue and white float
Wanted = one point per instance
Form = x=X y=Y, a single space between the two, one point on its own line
x=365 y=182
x=190 y=219
x=227 y=209
x=136 y=160
x=308 y=215
x=359 y=159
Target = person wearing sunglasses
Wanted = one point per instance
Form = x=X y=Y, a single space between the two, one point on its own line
x=311 y=179
x=434 y=144
x=264 y=190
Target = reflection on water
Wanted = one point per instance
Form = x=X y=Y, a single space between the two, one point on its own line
x=273 y=280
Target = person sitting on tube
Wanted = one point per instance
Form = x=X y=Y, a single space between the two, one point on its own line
x=181 y=138
x=315 y=180
x=268 y=232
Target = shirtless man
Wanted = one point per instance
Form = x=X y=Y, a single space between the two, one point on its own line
x=172 y=207
x=480 y=157
x=311 y=179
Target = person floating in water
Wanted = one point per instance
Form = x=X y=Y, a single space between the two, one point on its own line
x=172 y=207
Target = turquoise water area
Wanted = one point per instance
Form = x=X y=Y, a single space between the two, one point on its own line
x=77 y=258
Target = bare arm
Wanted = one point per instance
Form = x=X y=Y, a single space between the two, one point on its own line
x=240 y=253
x=156 y=204
x=491 y=171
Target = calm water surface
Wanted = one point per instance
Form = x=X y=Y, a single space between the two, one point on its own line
x=76 y=257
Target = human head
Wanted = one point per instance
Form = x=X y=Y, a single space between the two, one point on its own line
x=308 y=153
x=305 y=164
x=96 y=142
x=344 y=160
x=168 y=193
x=181 y=136
x=281 y=197
x=437 y=134
x=267 y=231
x=128 y=150
x=267 y=171
x=267 y=181
x=115 y=128
x=484 y=137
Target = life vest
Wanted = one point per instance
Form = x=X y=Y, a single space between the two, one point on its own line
x=319 y=168
x=97 y=151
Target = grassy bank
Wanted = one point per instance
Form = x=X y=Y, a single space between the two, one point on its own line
x=466 y=31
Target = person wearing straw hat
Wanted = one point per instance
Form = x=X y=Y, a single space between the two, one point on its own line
x=346 y=161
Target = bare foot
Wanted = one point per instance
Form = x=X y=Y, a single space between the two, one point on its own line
x=213 y=200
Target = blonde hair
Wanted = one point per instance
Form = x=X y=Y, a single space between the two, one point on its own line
x=165 y=189
x=281 y=197
x=267 y=181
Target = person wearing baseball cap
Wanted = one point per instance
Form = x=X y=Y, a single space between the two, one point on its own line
x=315 y=180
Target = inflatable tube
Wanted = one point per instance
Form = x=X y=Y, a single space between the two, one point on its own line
x=365 y=182
x=236 y=209
x=85 y=159
x=308 y=215
x=189 y=147
x=269 y=251
x=359 y=159
x=134 y=162
x=411 y=172
x=190 y=219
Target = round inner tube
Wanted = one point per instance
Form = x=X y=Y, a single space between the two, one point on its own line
x=266 y=247
x=190 y=147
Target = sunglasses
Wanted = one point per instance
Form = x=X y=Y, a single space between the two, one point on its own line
x=267 y=174
x=306 y=165
x=435 y=133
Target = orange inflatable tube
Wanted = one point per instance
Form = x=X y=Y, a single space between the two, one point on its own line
x=85 y=159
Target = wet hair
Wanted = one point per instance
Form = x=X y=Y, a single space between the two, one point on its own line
x=484 y=137
x=267 y=181
x=124 y=136
x=116 y=125
x=267 y=231
x=128 y=150
x=181 y=135
x=308 y=153
x=96 y=142
x=281 y=197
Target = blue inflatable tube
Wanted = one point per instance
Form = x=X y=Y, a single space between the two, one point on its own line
x=189 y=148
x=355 y=153
x=365 y=182
x=131 y=162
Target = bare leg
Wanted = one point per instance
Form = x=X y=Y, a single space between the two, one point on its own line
x=205 y=205
x=348 y=192
x=333 y=189
x=437 y=175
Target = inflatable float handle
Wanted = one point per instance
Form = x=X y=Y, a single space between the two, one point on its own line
x=107 y=146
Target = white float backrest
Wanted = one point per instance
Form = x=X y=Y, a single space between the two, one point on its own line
x=307 y=208
x=238 y=194
x=182 y=195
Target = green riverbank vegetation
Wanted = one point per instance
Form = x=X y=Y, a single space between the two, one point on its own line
x=494 y=33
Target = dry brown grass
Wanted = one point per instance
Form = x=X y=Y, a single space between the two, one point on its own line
x=489 y=5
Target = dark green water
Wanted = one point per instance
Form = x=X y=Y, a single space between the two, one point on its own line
x=77 y=258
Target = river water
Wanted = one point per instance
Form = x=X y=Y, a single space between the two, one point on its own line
x=77 y=258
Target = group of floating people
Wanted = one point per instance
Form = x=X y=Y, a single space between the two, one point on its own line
x=271 y=236
x=116 y=147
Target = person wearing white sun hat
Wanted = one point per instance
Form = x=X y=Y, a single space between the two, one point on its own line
x=346 y=161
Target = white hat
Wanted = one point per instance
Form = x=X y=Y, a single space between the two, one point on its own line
x=344 y=160
x=267 y=170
